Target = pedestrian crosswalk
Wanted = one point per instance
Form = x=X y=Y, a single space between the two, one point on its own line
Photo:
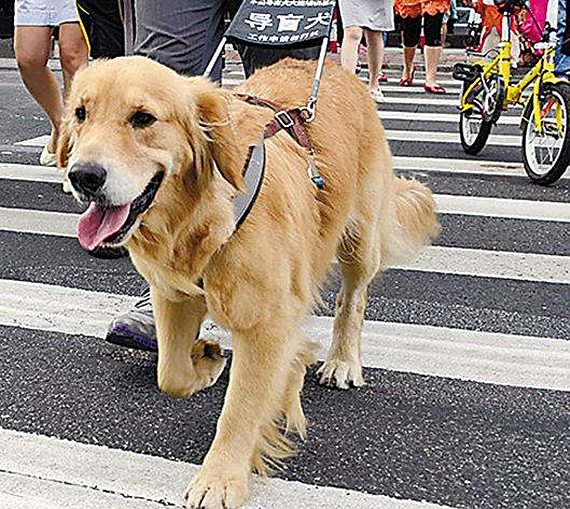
x=466 y=350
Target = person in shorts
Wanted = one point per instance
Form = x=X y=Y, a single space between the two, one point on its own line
x=34 y=22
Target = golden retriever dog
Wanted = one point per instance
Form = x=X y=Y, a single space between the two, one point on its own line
x=160 y=158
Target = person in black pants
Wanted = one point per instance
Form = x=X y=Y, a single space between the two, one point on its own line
x=102 y=24
x=412 y=13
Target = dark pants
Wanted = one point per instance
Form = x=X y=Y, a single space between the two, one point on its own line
x=184 y=34
x=412 y=28
x=102 y=24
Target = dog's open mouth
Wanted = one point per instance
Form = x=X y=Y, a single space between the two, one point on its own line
x=107 y=224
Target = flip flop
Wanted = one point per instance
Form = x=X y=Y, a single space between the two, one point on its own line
x=377 y=95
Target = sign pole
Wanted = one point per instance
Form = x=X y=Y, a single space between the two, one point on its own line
x=215 y=56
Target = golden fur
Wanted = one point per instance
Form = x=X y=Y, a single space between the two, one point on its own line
x=262 y=280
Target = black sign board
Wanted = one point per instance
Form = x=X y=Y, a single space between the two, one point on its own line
x=282 y=22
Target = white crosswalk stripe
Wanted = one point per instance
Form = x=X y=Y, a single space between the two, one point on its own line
x=467 y=355
x=463 y=331
x=447 y=260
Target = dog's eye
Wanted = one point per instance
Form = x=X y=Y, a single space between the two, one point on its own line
x=80 y=113
x=142 y=119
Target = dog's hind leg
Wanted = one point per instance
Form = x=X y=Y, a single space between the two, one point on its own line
x=359 y=257
x=185 y=365
x=248 y=426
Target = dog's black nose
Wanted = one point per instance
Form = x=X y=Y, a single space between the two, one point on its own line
x=87 y=178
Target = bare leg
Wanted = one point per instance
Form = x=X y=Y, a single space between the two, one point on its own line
x=32 y=46
x=409 y=55
x=432 y=56
x=349 y=50
x=261 y=367
x=72 y=52
x=375 y=43
x=184 y=366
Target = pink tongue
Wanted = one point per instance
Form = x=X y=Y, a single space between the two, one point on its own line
x=96 y=224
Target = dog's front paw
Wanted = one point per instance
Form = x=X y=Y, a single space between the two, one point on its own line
x=216 y=491
x=340 y=374
x=208 y=362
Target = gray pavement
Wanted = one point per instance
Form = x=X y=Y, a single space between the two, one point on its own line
x=467 y=354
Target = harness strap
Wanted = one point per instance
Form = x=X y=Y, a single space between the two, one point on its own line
x=293 y=122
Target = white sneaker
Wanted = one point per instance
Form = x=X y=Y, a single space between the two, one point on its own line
x=47 y=158
x=377 y=95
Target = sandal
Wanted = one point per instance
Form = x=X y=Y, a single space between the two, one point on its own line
x=377 y=95
x=47 y=158
x=434 y=90
x=382 y=78
x=408 y=82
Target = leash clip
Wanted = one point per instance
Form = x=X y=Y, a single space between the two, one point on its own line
x=307 y=113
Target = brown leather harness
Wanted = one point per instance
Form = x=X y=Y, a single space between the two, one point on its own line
x=292 y=121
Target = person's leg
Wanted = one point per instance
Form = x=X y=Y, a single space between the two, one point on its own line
x=72 y=52
x=255 y=56
x=411 y=29
x=432 y=51
x=181 y=35
x=349 y=49
x=103 y=25
x=130 y=26
x=32 y=45
x=375 y=55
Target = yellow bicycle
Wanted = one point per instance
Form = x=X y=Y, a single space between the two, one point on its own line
x=488 y=89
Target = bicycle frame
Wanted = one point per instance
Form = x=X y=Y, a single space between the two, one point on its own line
x=502 y=65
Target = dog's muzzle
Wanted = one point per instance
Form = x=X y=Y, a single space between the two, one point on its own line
x=87 y=179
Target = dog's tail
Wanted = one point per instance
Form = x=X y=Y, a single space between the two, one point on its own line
x=416 y=220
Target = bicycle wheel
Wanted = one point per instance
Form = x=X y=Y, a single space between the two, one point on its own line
x=546 y=155
x=475 y=124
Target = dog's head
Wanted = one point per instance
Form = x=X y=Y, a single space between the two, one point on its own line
x=133 y=130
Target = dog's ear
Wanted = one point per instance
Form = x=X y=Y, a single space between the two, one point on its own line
x=215 y=125
x=63 y=145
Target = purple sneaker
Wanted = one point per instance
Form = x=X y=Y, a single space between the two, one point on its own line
x=135 y=329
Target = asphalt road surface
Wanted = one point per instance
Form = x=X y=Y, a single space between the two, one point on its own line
x=466 y=349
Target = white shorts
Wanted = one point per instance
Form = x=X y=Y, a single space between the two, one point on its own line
x=45 y=13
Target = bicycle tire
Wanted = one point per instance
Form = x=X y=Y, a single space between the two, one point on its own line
x=560 y=91
x=474 y=146
x=480 y=141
